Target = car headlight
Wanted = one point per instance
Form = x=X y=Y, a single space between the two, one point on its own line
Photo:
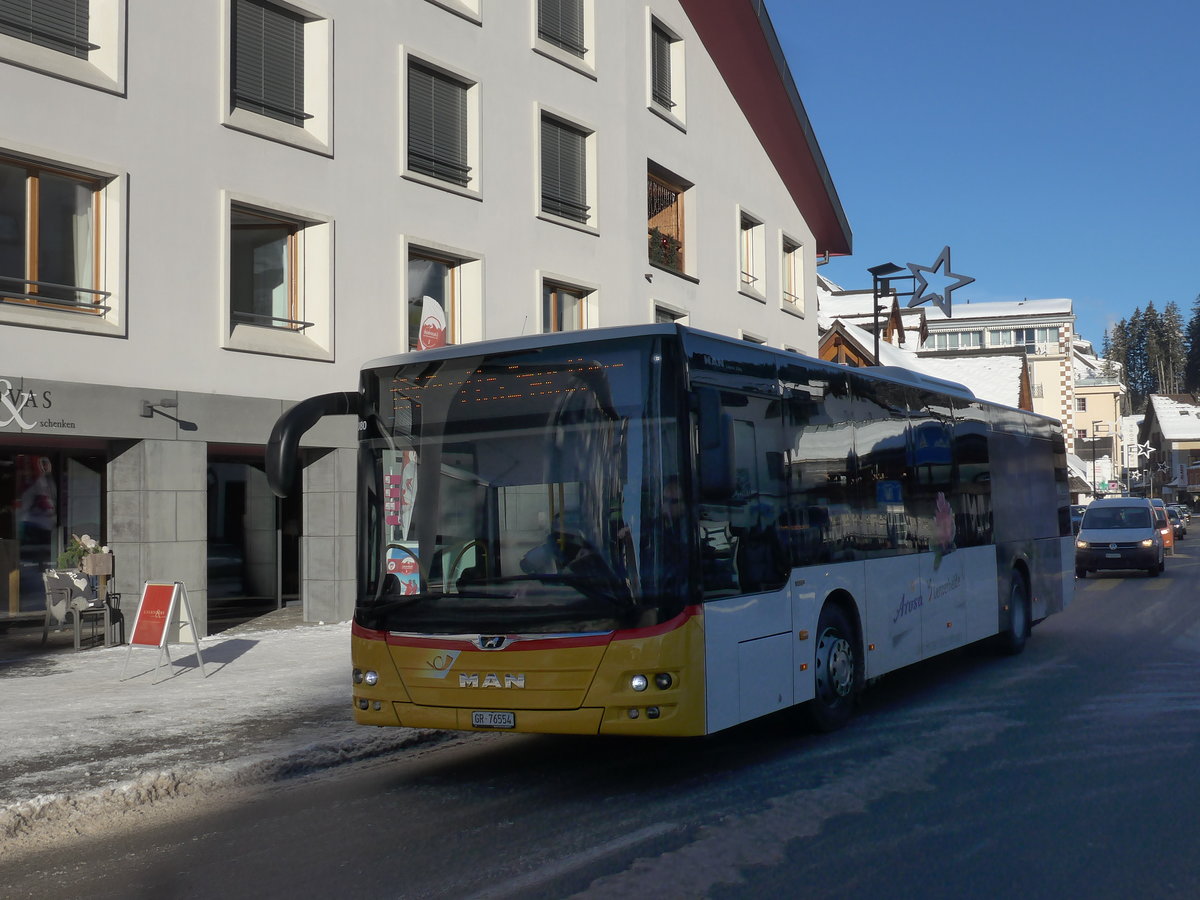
x=1081 y=545
x=1148 y=542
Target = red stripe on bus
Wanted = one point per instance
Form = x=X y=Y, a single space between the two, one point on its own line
x=589 y=640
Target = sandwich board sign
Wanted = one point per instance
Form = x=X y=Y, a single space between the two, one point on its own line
x=160 y=607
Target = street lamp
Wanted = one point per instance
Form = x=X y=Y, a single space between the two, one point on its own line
x=880 y=277
x=1095 y=434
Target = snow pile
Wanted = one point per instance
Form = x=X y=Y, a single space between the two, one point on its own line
x=80 y=747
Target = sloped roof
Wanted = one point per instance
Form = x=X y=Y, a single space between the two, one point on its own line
x=1178 y=415
x=994 y=378
x=740 y=39
x=1001 y=309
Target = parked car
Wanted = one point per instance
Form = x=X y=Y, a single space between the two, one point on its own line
x=1177 y=524
x=1164 y=524
x=1184 y=511
x=1120 y=533
x=1077 y=510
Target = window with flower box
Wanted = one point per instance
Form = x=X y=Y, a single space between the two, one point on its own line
x=665 y=222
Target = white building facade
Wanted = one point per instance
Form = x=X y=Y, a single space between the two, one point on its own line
x=197 y=231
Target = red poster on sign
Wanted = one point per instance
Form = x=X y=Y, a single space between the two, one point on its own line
x=153 y=615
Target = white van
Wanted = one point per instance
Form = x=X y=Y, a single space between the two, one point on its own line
x=1119 y=533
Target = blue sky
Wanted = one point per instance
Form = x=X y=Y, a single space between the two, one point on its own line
x=1053 y=145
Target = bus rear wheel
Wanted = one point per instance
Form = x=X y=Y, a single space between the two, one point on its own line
x=1011 y=640
x=835 y=672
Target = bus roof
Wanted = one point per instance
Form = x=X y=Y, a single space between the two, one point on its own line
x=530 y=342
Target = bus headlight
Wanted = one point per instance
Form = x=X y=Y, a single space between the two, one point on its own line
x=663 y=680
x=371 y=676
x=357 y=675
x=639 y=682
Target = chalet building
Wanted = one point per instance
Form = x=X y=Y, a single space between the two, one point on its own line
x=1170 y=430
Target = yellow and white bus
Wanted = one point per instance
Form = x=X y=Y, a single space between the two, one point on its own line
x=657 y=531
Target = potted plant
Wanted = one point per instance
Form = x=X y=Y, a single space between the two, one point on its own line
x=86 y=553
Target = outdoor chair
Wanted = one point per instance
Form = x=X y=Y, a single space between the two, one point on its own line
x=70 y=600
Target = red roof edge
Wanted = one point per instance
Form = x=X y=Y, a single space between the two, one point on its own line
x=741 y=40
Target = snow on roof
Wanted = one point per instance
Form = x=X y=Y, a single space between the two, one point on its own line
x=1177 y=419
x=1002 y=309
x=994 y=378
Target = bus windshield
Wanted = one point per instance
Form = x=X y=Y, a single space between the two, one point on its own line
x=520 y=493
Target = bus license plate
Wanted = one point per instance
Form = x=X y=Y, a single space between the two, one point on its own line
x=491 y=719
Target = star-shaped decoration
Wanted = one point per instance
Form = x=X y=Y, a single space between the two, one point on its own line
x=939 y=276
x=1140 y=450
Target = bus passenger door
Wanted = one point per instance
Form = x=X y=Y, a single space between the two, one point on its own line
x=744 y=565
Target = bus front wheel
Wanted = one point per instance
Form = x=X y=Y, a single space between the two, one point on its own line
x=835 y=671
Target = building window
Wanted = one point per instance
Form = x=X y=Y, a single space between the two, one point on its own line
x=561 y=23
x=263 y=270
x=954 y=340
x=433 y=300
x=563 y=307
x=666 y=70
x=1036 y=390
x=665 y=222
x=664 y=316
x=1081 y=404
x=1081 y=434
x=792 y=276
x=78 y=40
x=468 y=9
x=1033 y=340
x=564 y=170
x=750 y=255
x=49 y=238
x=59 y=25
x=268 y=61
x=437 y=125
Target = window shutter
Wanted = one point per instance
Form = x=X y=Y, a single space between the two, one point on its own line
x=564 y=174
x=268 y=61
x=60 y=25
x=561 y=23
x=437 y=125
x=660 y=62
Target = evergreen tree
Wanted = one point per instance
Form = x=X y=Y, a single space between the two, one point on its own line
x=1172 y=353
x=1137 y=367
x=1191 y=373
x=1116 y=352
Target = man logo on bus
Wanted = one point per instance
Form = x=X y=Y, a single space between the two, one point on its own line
x=491 y=679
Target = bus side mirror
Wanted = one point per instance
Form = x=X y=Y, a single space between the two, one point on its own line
x=284 y=444
x=716 y=447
